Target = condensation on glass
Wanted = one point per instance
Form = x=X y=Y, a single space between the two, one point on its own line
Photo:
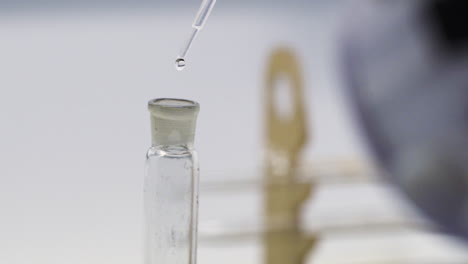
x=171 y=184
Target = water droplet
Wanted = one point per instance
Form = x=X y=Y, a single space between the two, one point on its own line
x=180 y=64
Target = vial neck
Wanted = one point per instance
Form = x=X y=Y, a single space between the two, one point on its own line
x=173 y=147
x=173 y=122
x=171 y=150
x=172 y=132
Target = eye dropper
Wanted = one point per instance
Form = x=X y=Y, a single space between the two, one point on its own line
x=200 y=20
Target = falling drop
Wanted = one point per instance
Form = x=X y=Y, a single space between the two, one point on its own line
x=180 y=64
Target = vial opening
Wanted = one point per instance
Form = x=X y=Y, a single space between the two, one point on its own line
x=173 y=103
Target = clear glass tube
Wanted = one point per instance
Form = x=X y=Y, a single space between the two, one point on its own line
x=171 y=184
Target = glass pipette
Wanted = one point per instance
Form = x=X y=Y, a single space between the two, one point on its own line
x=200 y=20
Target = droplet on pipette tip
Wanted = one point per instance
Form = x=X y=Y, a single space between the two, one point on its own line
x=180 y=64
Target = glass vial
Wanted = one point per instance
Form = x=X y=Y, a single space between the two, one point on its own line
x=171 y=184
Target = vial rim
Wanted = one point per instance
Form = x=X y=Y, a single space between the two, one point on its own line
x=179 y=103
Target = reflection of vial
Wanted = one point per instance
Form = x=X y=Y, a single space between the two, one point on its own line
x=171 y=184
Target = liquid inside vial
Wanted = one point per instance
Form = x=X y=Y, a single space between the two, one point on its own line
x=180 y=64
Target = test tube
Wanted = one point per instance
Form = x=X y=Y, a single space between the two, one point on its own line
x=171 y=184
x=199 y=22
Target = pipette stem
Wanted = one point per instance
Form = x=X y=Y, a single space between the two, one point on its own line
x=188 y=44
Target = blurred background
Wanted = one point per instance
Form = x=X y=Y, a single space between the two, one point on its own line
x=75 y=80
